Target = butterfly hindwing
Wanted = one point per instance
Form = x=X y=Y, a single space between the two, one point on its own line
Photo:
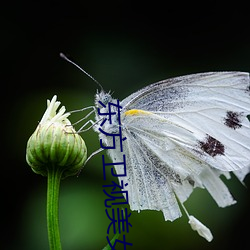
x=173 y=159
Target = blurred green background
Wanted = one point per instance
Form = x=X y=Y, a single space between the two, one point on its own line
x=125 y=47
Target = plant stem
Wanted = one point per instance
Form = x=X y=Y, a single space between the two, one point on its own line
x=53 y=185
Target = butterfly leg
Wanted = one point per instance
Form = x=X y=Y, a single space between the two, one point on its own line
x=86 y=116
x=92 y=154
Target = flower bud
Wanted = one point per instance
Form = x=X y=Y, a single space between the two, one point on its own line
x=55 y=144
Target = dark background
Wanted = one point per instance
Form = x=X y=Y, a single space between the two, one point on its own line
x=125 y=47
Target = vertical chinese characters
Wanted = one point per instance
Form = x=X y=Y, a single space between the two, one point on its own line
x=115 y=192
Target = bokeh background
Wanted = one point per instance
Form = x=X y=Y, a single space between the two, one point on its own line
x=125 y=46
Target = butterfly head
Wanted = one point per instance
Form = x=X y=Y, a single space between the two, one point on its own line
x=102 y=98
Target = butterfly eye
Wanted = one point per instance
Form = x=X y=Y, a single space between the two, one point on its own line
x=106 y=98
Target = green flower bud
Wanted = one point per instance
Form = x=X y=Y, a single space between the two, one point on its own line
x=55 y=144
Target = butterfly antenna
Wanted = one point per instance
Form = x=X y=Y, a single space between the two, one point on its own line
x=90 y=76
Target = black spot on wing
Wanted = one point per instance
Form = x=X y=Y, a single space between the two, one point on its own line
x=233 y=119
x=212 y=146
x=190 y=181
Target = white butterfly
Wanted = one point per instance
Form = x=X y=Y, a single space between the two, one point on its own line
x=181 y=133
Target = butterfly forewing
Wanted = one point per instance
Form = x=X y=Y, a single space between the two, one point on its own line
x=210 y=106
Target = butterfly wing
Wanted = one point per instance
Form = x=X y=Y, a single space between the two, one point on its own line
x=147 y=188
x=182 y=133
x=212 y=106
x=158 y=164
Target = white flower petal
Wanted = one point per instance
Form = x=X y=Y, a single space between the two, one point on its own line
x=200 y=228
x=50 y=114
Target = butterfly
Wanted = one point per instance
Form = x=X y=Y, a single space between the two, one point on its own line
x=181 y=133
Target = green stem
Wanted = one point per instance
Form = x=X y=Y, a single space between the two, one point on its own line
x=54 y=177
